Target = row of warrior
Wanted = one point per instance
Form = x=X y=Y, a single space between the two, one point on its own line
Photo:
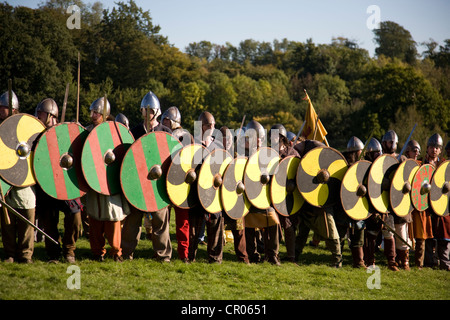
x=111 y=217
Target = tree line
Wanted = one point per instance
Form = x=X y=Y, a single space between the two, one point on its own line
x=124 y=55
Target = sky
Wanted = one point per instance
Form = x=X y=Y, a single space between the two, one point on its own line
x=233 y=21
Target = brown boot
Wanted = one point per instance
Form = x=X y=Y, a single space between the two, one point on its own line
x=403 y=258
x=406 y=260
x=419 y=253
x=369 y=249
x=389 y=252
x=358 y=257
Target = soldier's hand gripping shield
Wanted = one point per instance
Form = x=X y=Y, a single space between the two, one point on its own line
x=319 y=176
x=182 y=175
x=57 y=161
x=258 y=172
x=144 y=170
x=421 y=186
x=440 y=189
x=354 y=196
x=379 y=182
x=400 y=192
x=210 y=179
x=18 y=135
x=102 y=156
x=285 y=196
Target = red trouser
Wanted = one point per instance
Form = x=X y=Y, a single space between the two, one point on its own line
x=182 y=231
x=98 y=231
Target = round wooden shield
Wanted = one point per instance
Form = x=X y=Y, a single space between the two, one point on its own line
x=144 y=169
x=234 y=200
x=354 y=196
x=258 y=172
x=421 y=186
x=57 y=161
x=440 y=189
x=210 y=179
x=400 y=193
x=319 y=176
x=18 y=135
x=102 y=156
x=182 y=175
x=286 y=198
x=379 y=182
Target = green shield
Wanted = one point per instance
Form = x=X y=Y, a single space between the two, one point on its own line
x=57 y=161
x=102 y=156
x=144 y=170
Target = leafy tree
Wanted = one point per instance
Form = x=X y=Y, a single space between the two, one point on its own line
x=220 y=99
x=202 y=50
x=394 y=41
x=395 y=87
x=34 y=63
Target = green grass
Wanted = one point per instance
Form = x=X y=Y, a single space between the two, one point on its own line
x=146 y=279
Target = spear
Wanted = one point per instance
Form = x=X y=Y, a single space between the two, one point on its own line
x=240 y=129
x=66 y=96
x=365 y=146
x=10 y=106
x=406 y=143
x=105 y=104
x=21 y=217
x=78 y=88
x=393 y=231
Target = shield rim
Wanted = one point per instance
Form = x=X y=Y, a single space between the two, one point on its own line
x=196 y=169
x=433 y=170
x=403 y=163
x=243 y=194
x=298 y=185
x=30 y=163
x=287 y=158
x=369 y=213
x=256 y=154
x=368 y=184
x=218 y=190
x=432 y=203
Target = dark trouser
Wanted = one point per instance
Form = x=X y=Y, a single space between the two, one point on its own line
x=301 y=239
x=240 y=247
x=289 y=234
x=356 y=236
x=22 y=249
x=443 y=250
x=430 y=253
x=271 y=237
x=131 y=233
x=214 y=231
x=72 y=229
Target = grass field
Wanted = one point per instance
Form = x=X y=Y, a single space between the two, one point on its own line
x=146 y=279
